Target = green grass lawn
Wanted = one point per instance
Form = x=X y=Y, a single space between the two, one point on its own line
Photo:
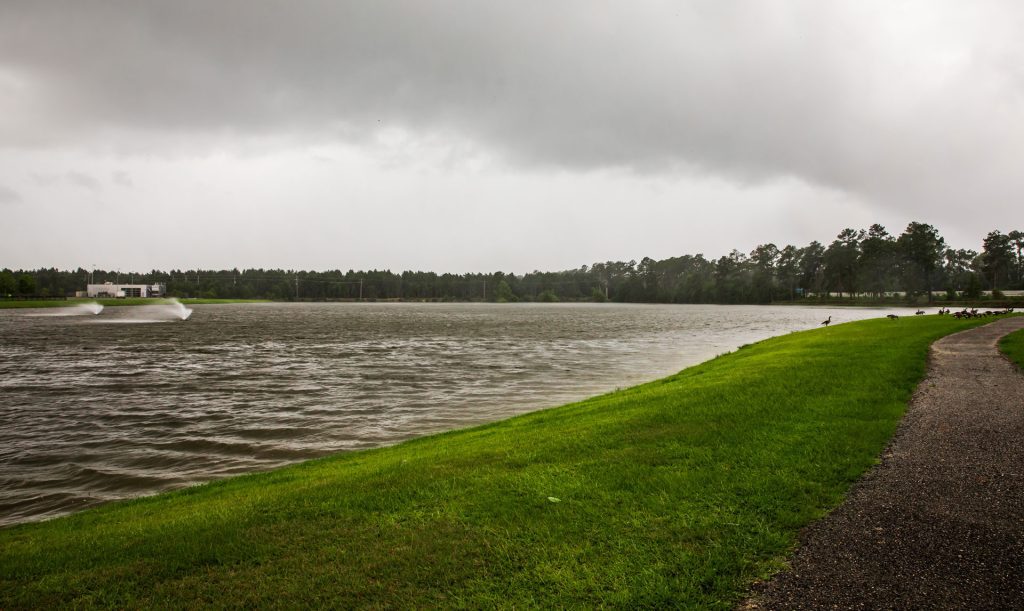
x=204 y=300
x=1013 y=346
x=676 y=493
x=128 y=301
x=10 y=304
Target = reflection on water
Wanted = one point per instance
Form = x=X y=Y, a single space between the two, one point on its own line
x=93 y=412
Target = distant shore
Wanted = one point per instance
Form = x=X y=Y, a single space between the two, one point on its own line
x=981 y=304
x=128 y=301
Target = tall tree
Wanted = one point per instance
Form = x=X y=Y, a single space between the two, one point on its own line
x=8 y=284
x=1017 y=241
x=812 y=262
x=763 y=260
x=921 y=248
x=997 y=257
x=959 y=268
x=877 y=260
x=841 y=260
x=503 y=292
x=788 y=268
x=26 y=284
x=732 y=278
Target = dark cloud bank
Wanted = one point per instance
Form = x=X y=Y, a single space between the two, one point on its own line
x=909 y=106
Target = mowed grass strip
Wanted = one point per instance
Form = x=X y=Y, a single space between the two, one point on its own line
x=13 y=304
x=676 y=493
x=1012 y=346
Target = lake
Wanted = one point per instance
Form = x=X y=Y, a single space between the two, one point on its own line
x=134 y=400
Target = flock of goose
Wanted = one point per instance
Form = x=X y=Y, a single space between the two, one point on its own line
x=965 y=313
x=974 y=313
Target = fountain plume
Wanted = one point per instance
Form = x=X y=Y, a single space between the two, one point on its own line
x=79 y=309
x=89 y=308
x=178 y=309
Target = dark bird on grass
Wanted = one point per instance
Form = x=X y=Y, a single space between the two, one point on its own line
x=892 y=317
x=919 y=312
x=827 y=320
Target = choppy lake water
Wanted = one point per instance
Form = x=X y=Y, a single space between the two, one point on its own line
x=134 y=401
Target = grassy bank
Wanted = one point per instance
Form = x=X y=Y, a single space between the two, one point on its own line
x=1013 y=346
x=128 y=301
x=9 y=304
x=891 y=302
x=204 y=300
x=679 y=492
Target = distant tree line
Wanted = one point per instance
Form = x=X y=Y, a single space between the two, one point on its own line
x=858 y=263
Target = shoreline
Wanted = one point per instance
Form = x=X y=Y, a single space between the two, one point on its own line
x=136 y=301
x=519 y=385
x=599 y=459
x=14 y=304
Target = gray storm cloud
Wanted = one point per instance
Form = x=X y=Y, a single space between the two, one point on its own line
x=916 y=106
x=9 y=195
x=83 y=181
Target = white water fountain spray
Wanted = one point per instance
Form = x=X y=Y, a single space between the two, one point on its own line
x=89 y=308
x=178 y=309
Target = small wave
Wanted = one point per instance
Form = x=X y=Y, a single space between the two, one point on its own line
x=225 y=448
x=41 y=505
x=130 y=321
x=107 y=479
x=274 y=432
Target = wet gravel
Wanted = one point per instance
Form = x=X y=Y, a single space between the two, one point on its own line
x=939 y=523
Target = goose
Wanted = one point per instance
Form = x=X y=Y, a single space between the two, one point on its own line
x=827 y=320
x=892 y=317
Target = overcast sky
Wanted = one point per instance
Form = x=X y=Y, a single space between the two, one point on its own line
x=473 y=136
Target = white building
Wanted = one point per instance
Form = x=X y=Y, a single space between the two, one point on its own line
x=109 y=289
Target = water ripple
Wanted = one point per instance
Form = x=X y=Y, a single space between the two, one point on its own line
x=108 y=406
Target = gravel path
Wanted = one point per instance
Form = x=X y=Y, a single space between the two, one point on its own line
x=939 y=524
